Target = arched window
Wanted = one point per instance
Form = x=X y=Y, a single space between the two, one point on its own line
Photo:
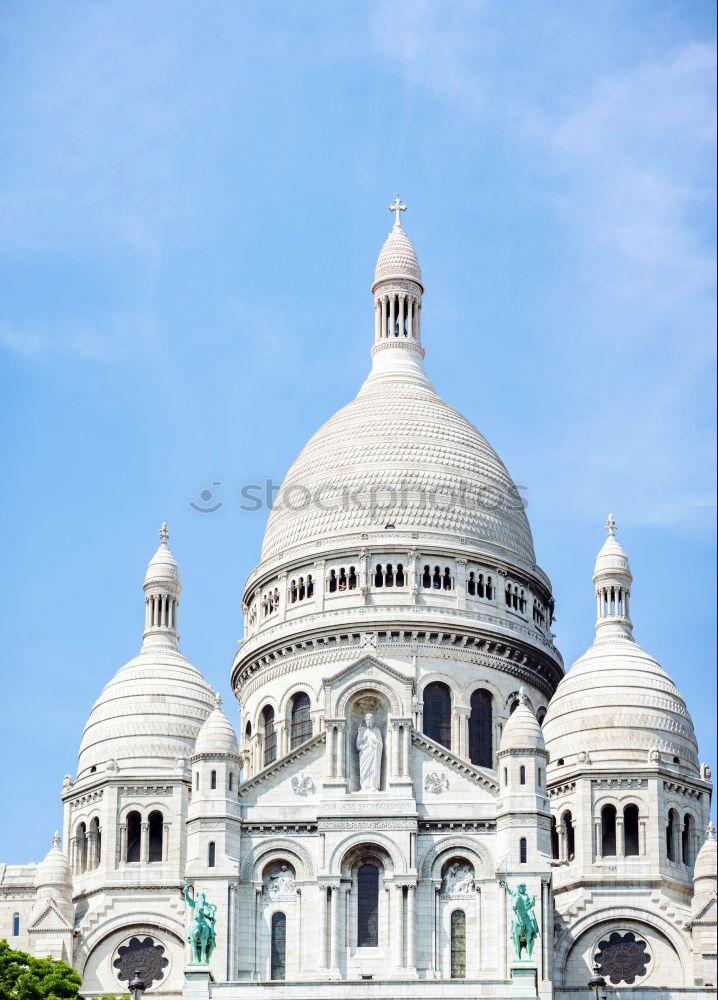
x=230 y=781
x=554 y=839
x=95 y=842
x=15 y=924
x=480 y=726
x=301 y=721
x=293 y=591
x=522 y=775
x=671 y=835
x=686 y=839
x=541 y=715
x=248 y=732
x=569 y=834
x=458 y=944
x=523 y=851
x=310 y=586
x=379 y=576
x=269 y=743
x=352 y=578
x=447 y=579
x=426 y=577
x=437 y=713
x=514 y=705
x=279 y=946
x=82 y=847
x=368 y=906
x=608 y=831
x=436 y=579
x=471 y=584
x=332 y=581
x=489 y=590
x=302 y=589
x=134 y=828
x=399 y=575
x=212 y=779
x=342 y=580
x=156 y=830
x=389 y=575
x=211 y=854
x=630 y=830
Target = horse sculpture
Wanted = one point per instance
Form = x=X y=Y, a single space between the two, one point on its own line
x=524 y=928
x=200 y=935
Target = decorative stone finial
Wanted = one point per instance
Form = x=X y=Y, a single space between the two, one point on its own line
x=711 y=831
x=397 y=208
x=523 y=700
x=611 y=526
x=164 y=533
x=217 y=699
x=56 y=840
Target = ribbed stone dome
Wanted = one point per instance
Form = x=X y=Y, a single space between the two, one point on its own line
x=522 y=730
x=148 y=715
x=425 y=467
x=617 y=704
x=54 y=869
x=217 y=735
x=706 y=866
x=397 y=258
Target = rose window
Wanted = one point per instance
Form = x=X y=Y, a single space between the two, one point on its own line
x=141 y=955
x=623 y=958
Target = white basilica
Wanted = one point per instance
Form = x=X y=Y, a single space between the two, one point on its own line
x=420 y=803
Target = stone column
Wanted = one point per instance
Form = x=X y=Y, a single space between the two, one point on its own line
x=398 y=926
x=145 y=842
x=641 y=837
x=322 y=943
x=123 y=843
x=410 y=317
x=383 y=317
x=436 y=931
x=402 y=306
x=410 y=925
x=407 y=750
x=461 y=584
x=396 y=749
x=678 y=843
x=333 y=926
x=377 y=321
x=392 y=315
x=341 y=753
x=462 y=725
x=165 y=841
x=620 y=838
x=561 y=831
x=231 y=930
x=319 y=583
x=597 y=834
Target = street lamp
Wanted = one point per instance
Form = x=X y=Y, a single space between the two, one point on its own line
x=596 y=983
x=137 y=986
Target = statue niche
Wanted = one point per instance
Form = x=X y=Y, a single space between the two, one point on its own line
x=366 y=744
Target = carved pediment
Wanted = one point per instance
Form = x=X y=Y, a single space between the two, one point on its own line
x=369 y=666
x=49 y=918
x=445 y=762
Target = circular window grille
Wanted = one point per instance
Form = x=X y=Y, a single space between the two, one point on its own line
x=141 y=955
x=622 y=957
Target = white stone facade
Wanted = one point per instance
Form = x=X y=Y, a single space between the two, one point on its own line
x=403 y=586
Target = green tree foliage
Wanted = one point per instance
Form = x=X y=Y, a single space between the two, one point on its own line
x=24 y=977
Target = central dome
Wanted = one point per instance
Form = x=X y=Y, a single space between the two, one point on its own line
x=399 y=455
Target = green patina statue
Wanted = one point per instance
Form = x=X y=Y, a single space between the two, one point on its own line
x=201 y=934
x=524 y=929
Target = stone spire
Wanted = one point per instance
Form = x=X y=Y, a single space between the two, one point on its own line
x=612 y=580
x=397 y=291
x=162 y=589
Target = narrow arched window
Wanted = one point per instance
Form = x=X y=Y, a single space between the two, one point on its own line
x=230 y=781
x=608 y=831
x=458 y=944
x=508 y=595
x=426 y=577
x=471 y=585
x=213 y=779
x=514 y=705
x=379 y=577
x=134 y=828
x=247 y=734
x=554 y=839
x=368 y=906
x=570 y=834
x=211 y=854
x=332 y=581
x=278 y=960
x=522 y=775
x=399 y=575
x=672 y=835
x=293 y=591
x=523 y=851
x=480 y=729
x=447 y=579
x=541 y=715
x=96 y=843
x=686 y=839
x=310 y=586
x=437 y=713
x=436 y=579
x=302 y=589
x=270 y=735
x=301 y=722
x=480 y=586
x=82 y=847
x=155 y=834
x=489 y=589
x=352 y=578
x=630 y=830
x=15 y=924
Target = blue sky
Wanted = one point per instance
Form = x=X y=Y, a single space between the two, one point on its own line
x=192 y=198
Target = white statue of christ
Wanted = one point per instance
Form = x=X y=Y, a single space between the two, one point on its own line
x=369 y=745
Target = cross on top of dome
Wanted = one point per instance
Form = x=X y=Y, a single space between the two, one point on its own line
x=397 y=207
x=611 y=525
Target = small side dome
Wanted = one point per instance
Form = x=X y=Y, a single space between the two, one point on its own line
x=522 y=731
x=217 y=735
x=55 y=869
x=706 y=866
x=611 y=559
x=162 y=567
